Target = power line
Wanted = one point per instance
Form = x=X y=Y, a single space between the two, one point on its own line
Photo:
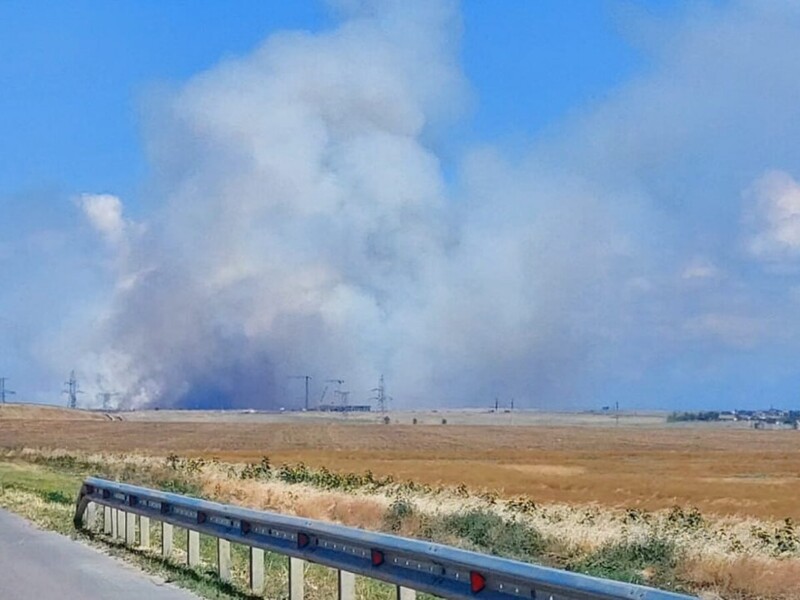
x=3 y=391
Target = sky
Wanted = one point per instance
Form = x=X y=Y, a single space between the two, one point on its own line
x=568 y=204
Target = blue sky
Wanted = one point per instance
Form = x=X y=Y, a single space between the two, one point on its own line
x=641 y=127
x=74 y=74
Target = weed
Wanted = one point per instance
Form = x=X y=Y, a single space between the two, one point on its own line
x=398 y=513
x=648 y=561
x=489 y=532
x=691 y=519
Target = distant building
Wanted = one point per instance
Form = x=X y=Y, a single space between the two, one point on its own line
x=348 y=408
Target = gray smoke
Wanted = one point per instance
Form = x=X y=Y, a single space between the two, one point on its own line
x=305 y=225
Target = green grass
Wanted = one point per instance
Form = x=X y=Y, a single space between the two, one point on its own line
x=54 y=486
x=649 y=562
x=490 y=533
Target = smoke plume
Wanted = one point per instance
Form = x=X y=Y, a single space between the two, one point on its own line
x=305 y=225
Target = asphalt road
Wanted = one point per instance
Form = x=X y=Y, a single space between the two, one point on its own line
x=44 y=565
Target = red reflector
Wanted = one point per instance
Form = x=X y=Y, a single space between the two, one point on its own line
x=377 y=558
x=302 y=540
x=476 y=582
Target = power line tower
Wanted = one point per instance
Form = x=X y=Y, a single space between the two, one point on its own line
x=307 y=379
x=380 y=396
x=3 y=391
x=72 y=391
x=344 y=400
x=337 y=393
x=105 y=399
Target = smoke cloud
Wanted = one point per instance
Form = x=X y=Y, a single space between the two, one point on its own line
x=306 y=225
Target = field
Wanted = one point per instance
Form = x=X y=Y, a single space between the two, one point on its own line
x=576 y=459
x=701 y=508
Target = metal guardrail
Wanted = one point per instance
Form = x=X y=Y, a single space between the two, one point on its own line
x=410 y=565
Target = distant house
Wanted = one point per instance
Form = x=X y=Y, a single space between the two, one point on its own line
x=341 y=408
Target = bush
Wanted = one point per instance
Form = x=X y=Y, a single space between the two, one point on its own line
x=399 y=511
x=646 y=562
x=489 y=532
x=685 y=519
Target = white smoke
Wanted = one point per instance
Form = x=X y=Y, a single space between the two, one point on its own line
x=307 y=227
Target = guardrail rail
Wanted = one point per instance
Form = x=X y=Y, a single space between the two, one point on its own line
x=409 y=565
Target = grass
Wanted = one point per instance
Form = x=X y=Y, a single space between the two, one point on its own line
x=681 y=548
x=46 y=496
x=647 y=562
x=490 y=533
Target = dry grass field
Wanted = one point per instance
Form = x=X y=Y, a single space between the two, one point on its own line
x=722 y=471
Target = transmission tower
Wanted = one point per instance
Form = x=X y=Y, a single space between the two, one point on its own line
x=343 y=398
x=72 y=391
x=105 y=399
x=307 y=379
x=3 y=391
x=380 y=396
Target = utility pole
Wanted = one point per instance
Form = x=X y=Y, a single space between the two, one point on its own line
x=381 y=398
x=72 y=391
x=307 y=379
x=3 y=391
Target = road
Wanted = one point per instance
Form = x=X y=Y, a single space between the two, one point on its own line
x=44 y=565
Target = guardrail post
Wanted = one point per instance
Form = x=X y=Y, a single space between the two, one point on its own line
x=144 y=532
x=404 y=593
x=257 y=570
x=193 y=548
x=91 y=515
x=166 y=540
x=296 y=578
x=120 y=524
x=224 y=559
x=347 y=586
x=107 y=520
x=130 y=529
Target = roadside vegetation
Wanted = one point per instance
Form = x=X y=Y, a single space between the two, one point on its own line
x=679 y=549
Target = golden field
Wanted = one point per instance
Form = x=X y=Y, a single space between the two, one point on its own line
x=720 y=470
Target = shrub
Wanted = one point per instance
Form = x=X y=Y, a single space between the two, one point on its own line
x=399 y=511
x=521 y=504
x=633 y=562
x=685 y=519
x=489 y=532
